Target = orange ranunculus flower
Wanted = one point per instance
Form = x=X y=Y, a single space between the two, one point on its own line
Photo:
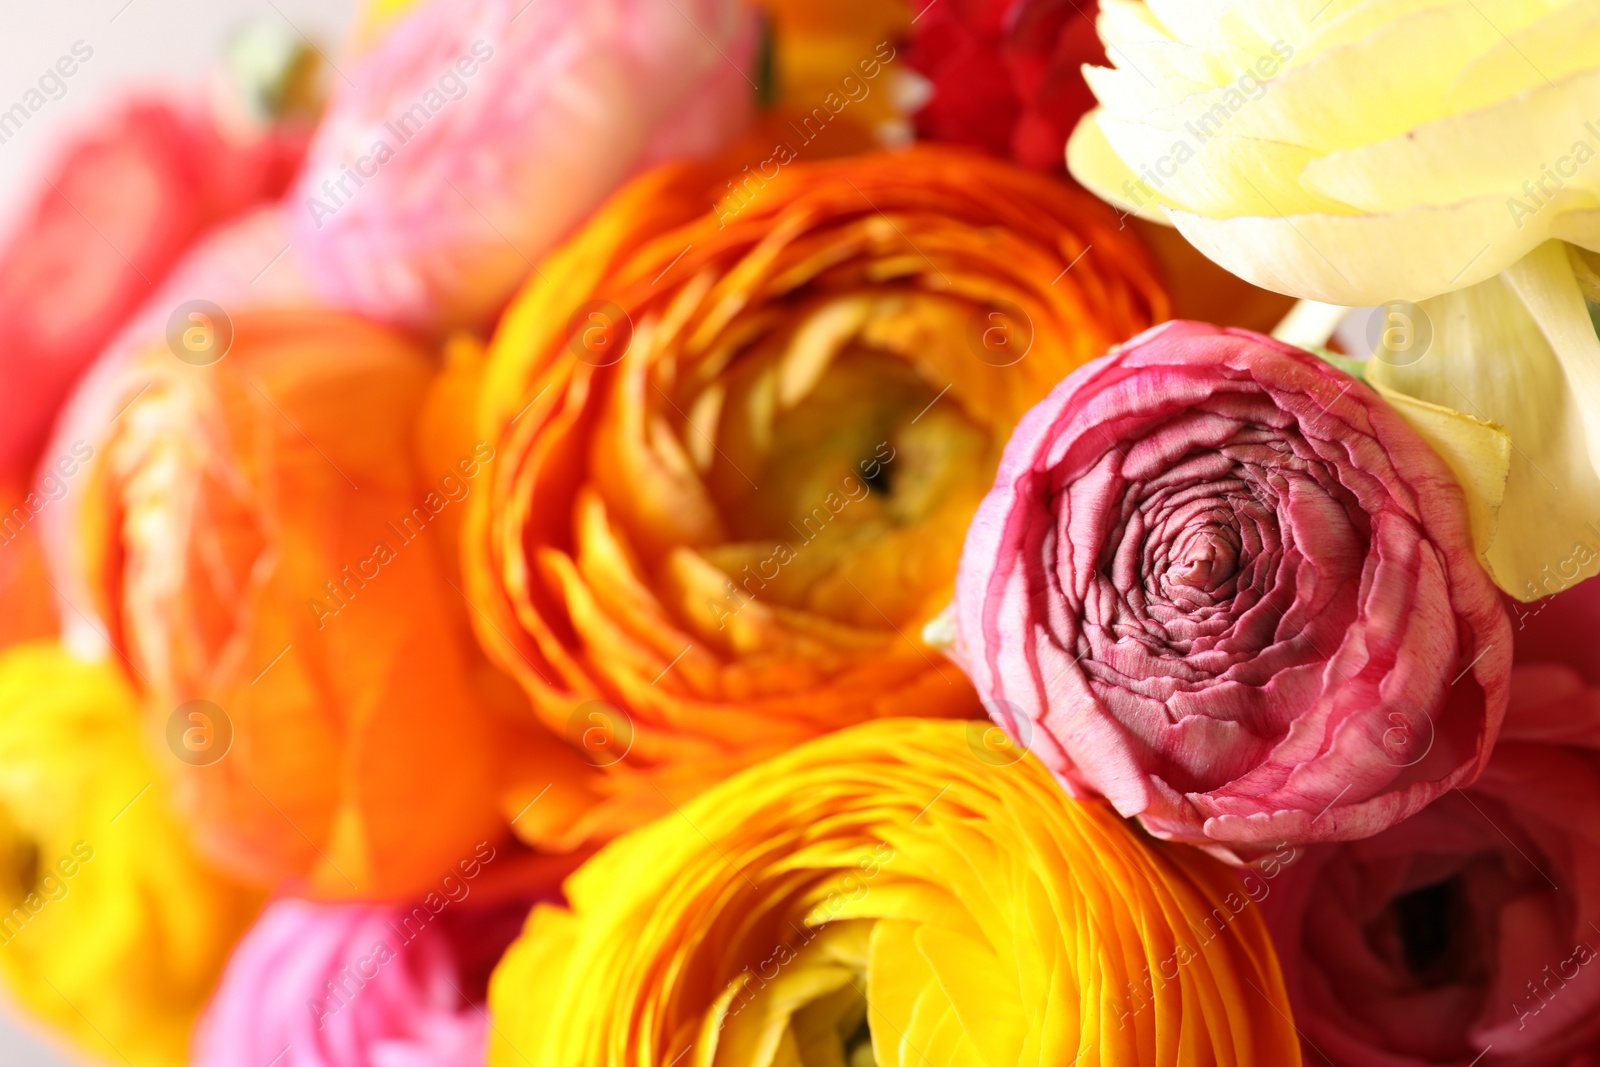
x=903 y=894
x=261 y=533
x=738 y=450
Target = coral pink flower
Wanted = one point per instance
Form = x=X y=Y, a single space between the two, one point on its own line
x=1224 y=585
x=477 y=133
x=112 y=217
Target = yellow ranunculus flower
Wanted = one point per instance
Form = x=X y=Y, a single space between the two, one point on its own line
x=111 y=928
x=1362 y=152
x=897 y=894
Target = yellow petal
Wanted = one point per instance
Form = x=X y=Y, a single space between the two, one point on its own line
x=1490 y=359
x=1356 y=260
x=1556 y=125
x=1477 y=452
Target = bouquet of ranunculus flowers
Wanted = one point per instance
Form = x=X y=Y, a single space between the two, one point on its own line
x=813 y=533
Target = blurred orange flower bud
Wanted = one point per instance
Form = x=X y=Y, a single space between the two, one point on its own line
x=740 y=436
x=266 y=552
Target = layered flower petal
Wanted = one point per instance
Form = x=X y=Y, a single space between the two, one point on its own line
x=739 y=448
x=1311 y=149
x=1442 y=170
x=112 y=928
x=262 y=534
x=474 y=136
x=1466 y=934
x=896 y=893
x=1226 y=586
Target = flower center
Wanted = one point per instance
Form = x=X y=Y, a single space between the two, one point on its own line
x=1206 y=558
x=19 y=861
x=858 y=1047
x=1431 y=935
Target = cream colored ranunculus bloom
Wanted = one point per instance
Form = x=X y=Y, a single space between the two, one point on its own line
x=1360 y=152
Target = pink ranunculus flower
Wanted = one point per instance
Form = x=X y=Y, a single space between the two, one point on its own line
x=478 y=132
x=1470 y=933
x=1222 y=584
x=358 y=985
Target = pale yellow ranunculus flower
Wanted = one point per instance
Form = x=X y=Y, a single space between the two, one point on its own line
x=1361 y=152
x=902 y=893
x=111 y=928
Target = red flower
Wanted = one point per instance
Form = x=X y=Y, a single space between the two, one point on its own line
x=1007 y=74
x=115 y=212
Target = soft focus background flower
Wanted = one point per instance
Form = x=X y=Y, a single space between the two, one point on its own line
x=111 y=927
x=1471 y=932
x=474 y=135
x=255 y=537
x=1224 y=585
x=1005 y=75
x=889 y=894
x=360 y=985
x=122 y=204
x=1261 y=132
x=739 y=448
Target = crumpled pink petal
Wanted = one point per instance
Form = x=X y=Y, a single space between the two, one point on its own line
x=502 y=124
x=1222 y=584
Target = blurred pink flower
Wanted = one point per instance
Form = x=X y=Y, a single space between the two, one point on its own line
x=358 y=985
x=1222 y=584
x=478 y=132
x=1472 y=926
x=113 y=215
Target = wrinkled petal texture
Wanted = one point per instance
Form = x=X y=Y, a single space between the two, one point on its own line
x=894 y=884
x=1317 y=149
x=258 y=533
x=738 y=454
x=122 y=204
x=112 y=928
x=1470 y=930
x=355 y=985
x=1224 y=585
x=474 y=136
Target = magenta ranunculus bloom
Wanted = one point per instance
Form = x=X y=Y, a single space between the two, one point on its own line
x=479 y=132
x=1221 y=583
x=358 y=985
x=1469 y=934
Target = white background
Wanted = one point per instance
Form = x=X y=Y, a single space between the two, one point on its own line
x=142 y=44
